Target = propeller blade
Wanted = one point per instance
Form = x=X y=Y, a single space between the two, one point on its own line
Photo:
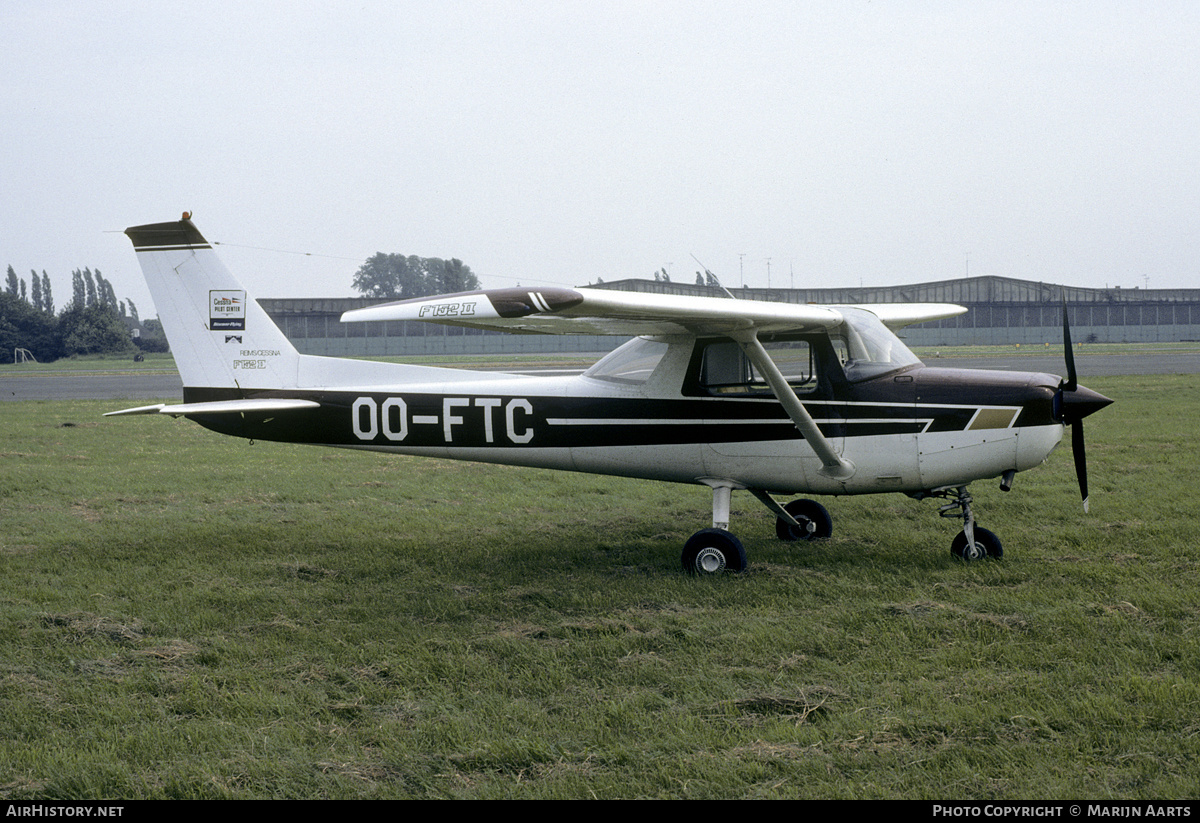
x=1072 y=378
x=1077 y=449
x=1072 y=403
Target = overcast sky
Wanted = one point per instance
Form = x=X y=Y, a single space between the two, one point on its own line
x=560 y=142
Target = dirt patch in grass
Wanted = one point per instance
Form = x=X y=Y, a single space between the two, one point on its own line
x=83 y=626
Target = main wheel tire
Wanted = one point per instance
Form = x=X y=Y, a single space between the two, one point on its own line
x=712 y=551
x=987 y=546
x=815 y=522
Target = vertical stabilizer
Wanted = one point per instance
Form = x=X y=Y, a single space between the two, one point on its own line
x=220 y=336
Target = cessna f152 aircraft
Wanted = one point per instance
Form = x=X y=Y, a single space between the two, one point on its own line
x=773 y=398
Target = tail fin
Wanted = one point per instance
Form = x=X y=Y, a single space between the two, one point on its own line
x=221 y=337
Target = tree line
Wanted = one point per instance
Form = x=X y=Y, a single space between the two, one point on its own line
x=92 y=321
x=400 y=278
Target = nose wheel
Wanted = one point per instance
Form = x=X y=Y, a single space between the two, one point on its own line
x=984 y=546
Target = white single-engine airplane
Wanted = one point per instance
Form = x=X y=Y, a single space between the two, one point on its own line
x=773 y=398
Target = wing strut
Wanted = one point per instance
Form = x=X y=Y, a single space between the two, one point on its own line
x=835 y=466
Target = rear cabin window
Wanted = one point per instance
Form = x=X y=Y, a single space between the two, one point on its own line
x=631 y=363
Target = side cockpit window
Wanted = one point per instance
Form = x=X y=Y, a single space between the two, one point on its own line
x=725 y=369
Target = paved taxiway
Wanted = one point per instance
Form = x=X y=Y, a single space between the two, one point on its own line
x=90 y=386
x=1103 y=365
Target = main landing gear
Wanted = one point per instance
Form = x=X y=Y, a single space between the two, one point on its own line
x=716 y=550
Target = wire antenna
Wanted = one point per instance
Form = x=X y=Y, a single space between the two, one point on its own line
x=708 y=274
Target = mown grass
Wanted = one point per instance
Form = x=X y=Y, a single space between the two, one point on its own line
x=185 y=615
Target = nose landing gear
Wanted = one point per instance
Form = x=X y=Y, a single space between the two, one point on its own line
x=973 y=542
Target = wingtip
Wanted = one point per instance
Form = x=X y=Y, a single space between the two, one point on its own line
x=155 y=409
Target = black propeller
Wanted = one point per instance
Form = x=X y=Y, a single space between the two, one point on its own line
x=1072 y=403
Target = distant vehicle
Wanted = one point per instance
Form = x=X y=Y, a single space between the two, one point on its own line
x=773 y=398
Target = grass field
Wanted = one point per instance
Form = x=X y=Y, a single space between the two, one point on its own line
x=185 y=615
x=94 y=364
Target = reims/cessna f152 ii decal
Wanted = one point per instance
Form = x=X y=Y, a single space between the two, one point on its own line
x=773 y=398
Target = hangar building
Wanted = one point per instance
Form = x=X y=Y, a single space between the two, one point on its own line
x=1001 y=311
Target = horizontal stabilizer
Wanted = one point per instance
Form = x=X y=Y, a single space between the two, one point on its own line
x=265 y=405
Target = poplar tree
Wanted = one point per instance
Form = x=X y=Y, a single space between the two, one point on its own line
x=89 y=284
x=78 y=292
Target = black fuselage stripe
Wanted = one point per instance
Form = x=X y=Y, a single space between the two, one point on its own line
x=438 y=420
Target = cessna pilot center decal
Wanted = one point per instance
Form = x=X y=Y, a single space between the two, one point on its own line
x=227 y=310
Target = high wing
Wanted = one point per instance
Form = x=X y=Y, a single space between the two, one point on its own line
x=557 y=310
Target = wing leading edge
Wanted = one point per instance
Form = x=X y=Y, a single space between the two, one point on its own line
x=559 y=310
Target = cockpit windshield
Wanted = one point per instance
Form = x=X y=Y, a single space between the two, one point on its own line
x=867 y=348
